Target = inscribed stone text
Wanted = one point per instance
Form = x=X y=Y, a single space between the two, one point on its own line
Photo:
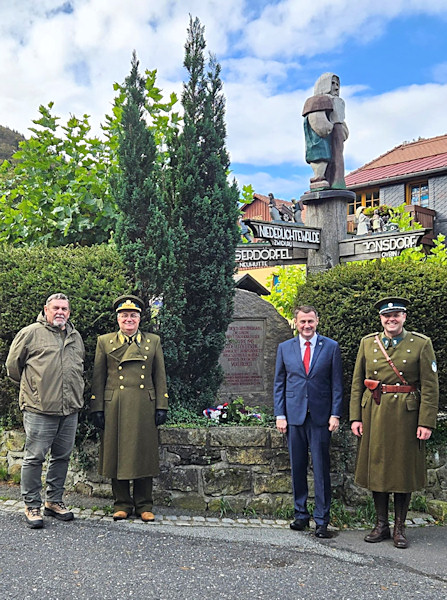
x=243 y=356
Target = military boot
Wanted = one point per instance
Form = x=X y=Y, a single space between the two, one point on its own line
x=382 y=529
x=401 y=504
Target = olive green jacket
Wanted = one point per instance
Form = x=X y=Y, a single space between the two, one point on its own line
x=48 y=365
x=129 y=384
x=390 y=457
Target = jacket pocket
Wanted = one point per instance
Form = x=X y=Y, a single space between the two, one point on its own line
x=108 y=395
x=412 y=402
x=152 y=395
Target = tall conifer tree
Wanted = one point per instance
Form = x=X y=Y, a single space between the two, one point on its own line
x=204 y=216
x=143 y=236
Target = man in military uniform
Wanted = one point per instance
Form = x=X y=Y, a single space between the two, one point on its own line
x=129 y=400
x=393 y=409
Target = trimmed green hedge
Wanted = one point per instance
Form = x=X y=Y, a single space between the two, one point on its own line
x=345 y=297
x=92 y=277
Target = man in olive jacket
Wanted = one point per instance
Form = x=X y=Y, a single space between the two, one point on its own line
x=47 y=360
x=394 y=420
x=129 y=400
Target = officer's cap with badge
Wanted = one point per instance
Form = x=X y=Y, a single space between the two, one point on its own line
x=392 y=304
x=128 y=302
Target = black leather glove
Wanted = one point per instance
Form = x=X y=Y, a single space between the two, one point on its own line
x=160 y=416
x=98 y=419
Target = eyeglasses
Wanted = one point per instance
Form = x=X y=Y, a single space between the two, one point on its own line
x=124 y=315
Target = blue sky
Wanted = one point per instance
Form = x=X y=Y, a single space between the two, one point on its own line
x=391 y=56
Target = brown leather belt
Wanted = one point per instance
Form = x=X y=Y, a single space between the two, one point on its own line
x=396 y=389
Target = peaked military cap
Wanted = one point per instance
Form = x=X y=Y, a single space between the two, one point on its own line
x=128 y=302
x=392 y=304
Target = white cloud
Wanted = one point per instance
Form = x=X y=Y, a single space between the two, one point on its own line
x=380 y=123
x=73 y=57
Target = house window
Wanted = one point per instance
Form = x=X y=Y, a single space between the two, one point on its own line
x=417 y=193
x=366 y=198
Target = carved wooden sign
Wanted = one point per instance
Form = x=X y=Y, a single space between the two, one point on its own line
x=379 y=245
x=287 y=235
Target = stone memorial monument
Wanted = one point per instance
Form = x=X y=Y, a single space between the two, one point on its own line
x=249 y=356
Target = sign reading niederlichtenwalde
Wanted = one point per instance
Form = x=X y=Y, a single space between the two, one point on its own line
x=285 y=234
x=382 y=245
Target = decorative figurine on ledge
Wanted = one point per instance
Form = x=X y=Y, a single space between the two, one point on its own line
x=274 y=212
x=377 y=222
x=325 y=132
x=362 y=220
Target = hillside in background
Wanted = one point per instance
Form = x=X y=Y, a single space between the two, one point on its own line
x=9 y=142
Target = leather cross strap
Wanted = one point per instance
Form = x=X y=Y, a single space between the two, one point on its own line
x=392 y=365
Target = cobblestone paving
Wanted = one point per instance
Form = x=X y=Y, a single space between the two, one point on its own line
x=18 y=506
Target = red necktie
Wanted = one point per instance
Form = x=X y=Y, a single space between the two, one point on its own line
x=306 y=358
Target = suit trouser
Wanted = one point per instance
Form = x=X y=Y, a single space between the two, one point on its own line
x=141 y=498
x=300 y=439
x=44 y=433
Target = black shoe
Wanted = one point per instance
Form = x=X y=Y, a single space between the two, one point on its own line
x=299 y=524
x=322 y=532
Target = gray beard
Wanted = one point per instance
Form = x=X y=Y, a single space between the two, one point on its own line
x=59 y=324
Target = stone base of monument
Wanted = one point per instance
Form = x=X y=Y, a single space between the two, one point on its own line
x=327 y=209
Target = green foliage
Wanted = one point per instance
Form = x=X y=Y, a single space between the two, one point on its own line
x=91 y=277
x=438 y=254
x=283 y=295
x=143 y=236
x=198 y=294
x=241 y=414
x=438 y=438
x=4 y=474
x=224 y=507
x=16 y=477
x=162 y=121
x=58 y=192
x=403 y=219
x=247 y=194
x=418 y=503
x=383 y=209
x=284 y=511
x=345 y=295
x=182 y=416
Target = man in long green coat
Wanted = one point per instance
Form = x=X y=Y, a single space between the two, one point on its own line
x=394 y=404
x=129 y=400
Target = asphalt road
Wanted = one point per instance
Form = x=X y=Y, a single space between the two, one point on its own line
x=87 y=559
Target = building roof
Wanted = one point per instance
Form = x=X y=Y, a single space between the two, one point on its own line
x=410 y=158
x=247 y=282
x=266 y=200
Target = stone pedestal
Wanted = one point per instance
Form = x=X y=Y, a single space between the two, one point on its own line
x=327 y=209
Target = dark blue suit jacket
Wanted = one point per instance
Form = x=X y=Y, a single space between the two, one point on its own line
x=320 y=391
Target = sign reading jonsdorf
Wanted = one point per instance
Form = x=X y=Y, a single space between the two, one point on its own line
x=382 y=245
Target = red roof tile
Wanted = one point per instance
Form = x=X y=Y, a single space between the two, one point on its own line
x=430 y=163
x=408 y=158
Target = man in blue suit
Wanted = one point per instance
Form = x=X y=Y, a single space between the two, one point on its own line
x=308 y=394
